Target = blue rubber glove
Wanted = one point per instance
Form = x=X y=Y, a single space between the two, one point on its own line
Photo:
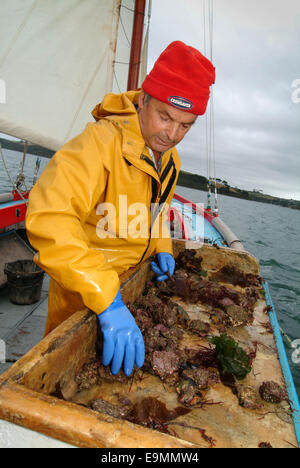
x=123 y=339
x=166 y=264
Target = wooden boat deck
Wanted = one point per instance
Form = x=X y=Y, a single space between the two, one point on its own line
x=21 y=326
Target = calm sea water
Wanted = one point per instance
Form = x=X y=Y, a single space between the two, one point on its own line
x=12 y=161
x=269 y=232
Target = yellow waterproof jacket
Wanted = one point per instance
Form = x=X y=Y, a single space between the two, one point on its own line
x=89 y=214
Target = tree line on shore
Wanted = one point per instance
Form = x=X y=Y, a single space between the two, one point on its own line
x=199 y=182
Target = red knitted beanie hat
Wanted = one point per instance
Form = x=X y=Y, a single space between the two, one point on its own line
x=181 y=77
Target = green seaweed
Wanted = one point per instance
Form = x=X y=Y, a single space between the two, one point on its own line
x=262 y=293
x=202 y=273
x=231 y=357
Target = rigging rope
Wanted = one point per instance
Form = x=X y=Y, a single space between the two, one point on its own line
x=20 y=179
x=208 y=19
x=10 y=178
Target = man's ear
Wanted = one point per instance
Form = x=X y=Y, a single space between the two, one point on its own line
x=141 y=100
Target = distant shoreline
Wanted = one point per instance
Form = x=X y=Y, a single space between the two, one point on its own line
x=198 y=182
x=186 y=179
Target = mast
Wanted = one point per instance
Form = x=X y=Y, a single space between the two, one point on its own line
x=136 y=44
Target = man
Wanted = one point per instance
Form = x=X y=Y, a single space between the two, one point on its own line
x=122 y=164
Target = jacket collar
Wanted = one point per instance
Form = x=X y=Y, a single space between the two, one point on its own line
x=134 y=149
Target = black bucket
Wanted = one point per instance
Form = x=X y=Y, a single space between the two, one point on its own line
x=25 y=280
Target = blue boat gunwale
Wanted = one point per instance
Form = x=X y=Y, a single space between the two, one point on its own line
x=290 y=386
x=11 y=203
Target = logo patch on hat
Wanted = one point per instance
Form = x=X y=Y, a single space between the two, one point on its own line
x=181 y=103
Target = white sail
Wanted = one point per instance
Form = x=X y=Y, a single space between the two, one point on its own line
x=57 y=60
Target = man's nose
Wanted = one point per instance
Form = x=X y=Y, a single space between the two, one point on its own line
x=172 y=131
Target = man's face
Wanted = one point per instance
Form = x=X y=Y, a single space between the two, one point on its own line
x=162 y=125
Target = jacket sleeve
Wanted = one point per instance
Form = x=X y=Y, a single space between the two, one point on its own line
x=164 y=243
x=59 y=204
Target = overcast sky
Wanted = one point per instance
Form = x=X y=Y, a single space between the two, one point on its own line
x=256 y=52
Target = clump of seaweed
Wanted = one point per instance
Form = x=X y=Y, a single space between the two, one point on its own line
x=116 y=411
x=204 y=356
x=231 y=357
x=272 y=392
x=232 y=275
x=88 y=375
x=190 y=261
x=265 y=445
x=248 y=397
x=153 y=413
x=232 y=307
